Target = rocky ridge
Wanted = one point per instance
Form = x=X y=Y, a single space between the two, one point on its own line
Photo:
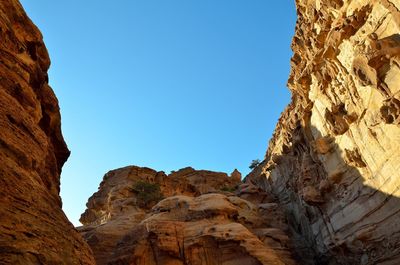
x=205 y=218
x=33 y=228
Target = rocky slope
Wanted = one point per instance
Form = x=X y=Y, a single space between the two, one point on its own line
x=200 y=221
x=33 y=228
x=334 y=159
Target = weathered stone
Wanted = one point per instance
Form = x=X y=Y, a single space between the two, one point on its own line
x=197 y=223
x=33 y=228
x=324 y=145
x=311 y=195
x=236 y=175
x=328 y=187
x=338 y=141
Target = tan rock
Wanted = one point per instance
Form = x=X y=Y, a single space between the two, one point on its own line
x=311 y=195
x=236 y=175
x=324 y=145
x=345 y=90
x=329 y=175
x=197 y=222
x=200 y=230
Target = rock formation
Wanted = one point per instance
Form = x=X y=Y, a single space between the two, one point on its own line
x=200 y=221
x=327 y=191
x=33 y=228
x=333 y=160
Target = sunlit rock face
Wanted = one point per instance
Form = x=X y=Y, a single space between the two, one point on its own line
x=334 y=159
x=200 y=219
x=33 y=228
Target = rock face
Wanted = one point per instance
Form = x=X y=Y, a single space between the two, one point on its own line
x=33 y=228
x=200 y=221
x=334 y=158
x=328 y=188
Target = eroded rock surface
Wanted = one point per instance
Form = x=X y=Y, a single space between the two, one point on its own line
x=202 y=220
x=33 y=228
x=328 y=187
x=334 y=158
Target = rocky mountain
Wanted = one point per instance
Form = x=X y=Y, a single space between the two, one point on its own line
x=141 y=216
x=327 y=191
x=33 y=228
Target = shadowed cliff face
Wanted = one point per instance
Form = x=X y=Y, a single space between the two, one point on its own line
x=334 y=158
x=333 y=216
x=33 y=228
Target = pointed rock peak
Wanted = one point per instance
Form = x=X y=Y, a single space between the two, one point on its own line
x=236 y=175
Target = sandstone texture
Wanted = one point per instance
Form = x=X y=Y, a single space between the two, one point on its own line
x=333 y=161
x=33 y=228
x=201 y=220
x=327 y=191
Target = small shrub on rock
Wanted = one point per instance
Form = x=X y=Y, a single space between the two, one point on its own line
x=254 y=163
x=229 y=189
x=147 y=194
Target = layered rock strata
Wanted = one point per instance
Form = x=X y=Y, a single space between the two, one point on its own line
x=200 y=221
x=328 y=187
x=33 y=228
x=334 y=158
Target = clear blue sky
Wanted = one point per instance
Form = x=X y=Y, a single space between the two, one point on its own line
x=164 y=84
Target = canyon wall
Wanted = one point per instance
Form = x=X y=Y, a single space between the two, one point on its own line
x=33 y=228
x=144 y=217
x=327 y=191
x=334 y=159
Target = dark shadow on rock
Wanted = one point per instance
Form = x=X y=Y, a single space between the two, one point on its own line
x=334 y=218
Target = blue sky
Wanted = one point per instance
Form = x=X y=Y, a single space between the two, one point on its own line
x=164 y=84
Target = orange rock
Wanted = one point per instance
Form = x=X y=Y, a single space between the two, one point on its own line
x=197 y=224
x=236 y=175
x=33 y=228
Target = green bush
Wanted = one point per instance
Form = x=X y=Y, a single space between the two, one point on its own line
x=228 y=189
x=147 y=194
x=254 y=163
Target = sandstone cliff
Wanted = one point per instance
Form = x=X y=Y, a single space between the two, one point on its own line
x=205 y=218
x=33 y=228
x=326 y=193
x=334 y=158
